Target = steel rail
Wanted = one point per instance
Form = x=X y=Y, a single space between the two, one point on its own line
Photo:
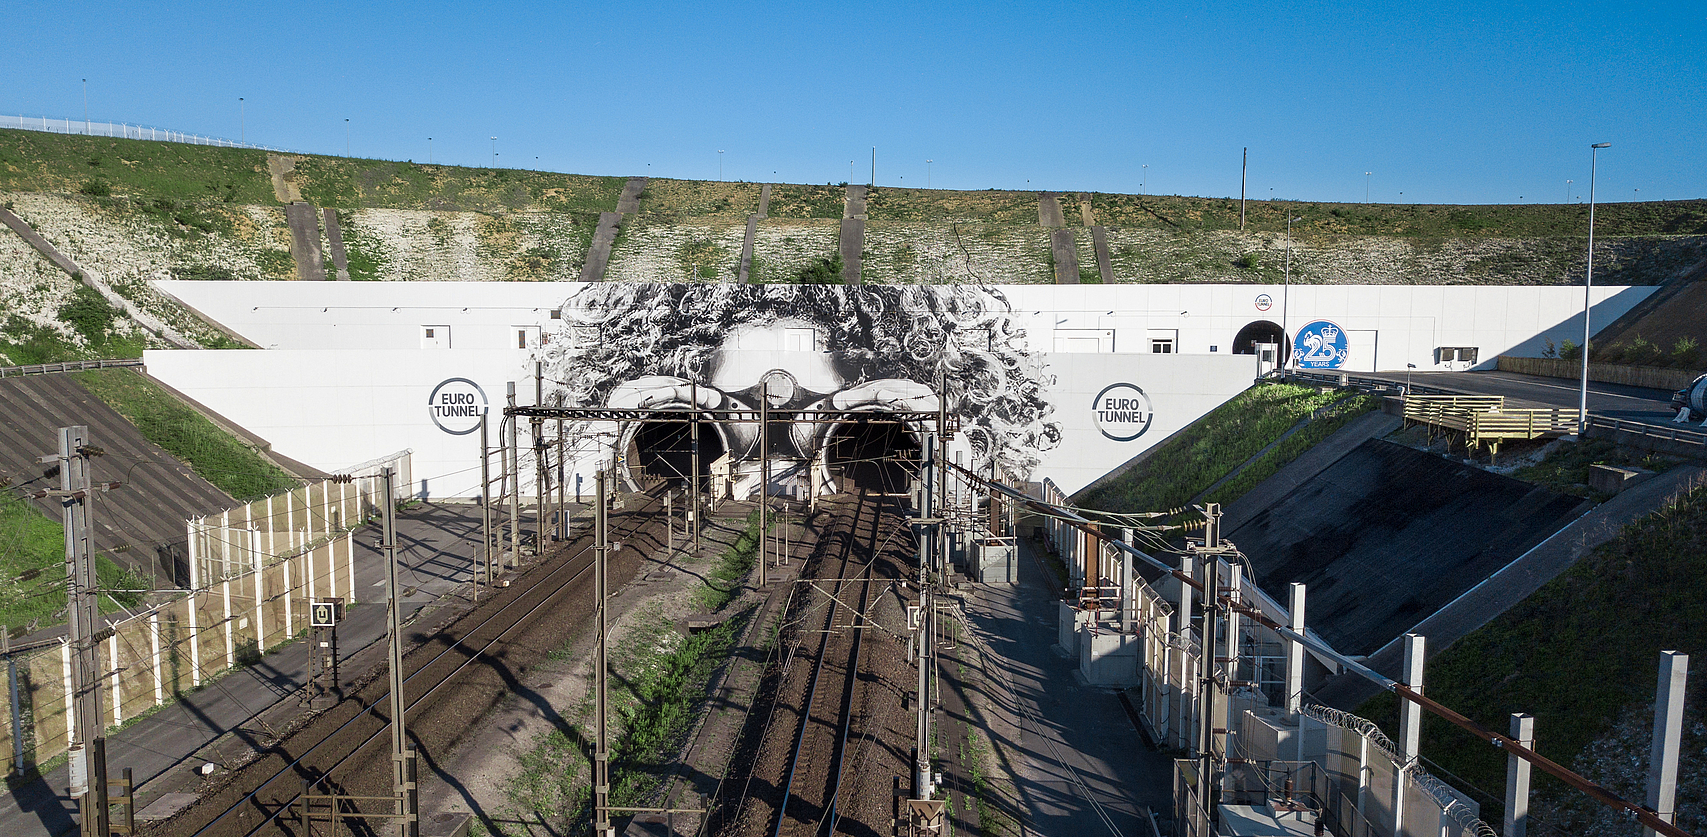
x=841 y=750
x=368 y=711
x=817 y=672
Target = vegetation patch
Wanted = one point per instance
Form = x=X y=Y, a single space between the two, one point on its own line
x=1331 y=420
x=1579 y=654
x=32 y=569
x=1565 y=467
x=216 y=456
x=1194 y=459
x=658 y=690
x=724 y=579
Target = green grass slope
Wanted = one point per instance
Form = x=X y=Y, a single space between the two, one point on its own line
x=1219 y=442
x=215 y=456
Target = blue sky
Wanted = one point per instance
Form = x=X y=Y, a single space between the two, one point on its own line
x=1443 y=102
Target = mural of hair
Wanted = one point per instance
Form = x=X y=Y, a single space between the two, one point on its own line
x=961 y=335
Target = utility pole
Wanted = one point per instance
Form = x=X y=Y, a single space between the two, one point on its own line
x=483 y=560
x=515 y=483
x=1244 y=167
x=542 y=460
x=89 y=753
x=601 y=751
x=693 y=482
x=927 y=534
x=764 y=478
x=402 y=755
x=1211 y=554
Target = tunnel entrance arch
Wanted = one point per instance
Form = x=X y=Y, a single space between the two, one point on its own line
x=1260 y=331
x=864 y=455
x=663 y=450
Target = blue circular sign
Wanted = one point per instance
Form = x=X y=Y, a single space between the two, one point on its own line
x=1320 y=345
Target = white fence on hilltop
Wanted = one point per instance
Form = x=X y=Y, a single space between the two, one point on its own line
x=121 y=130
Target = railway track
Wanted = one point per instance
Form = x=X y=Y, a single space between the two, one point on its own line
x=830 y=690
x=454 y=677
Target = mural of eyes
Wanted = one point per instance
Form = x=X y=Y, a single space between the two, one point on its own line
x=871 y=348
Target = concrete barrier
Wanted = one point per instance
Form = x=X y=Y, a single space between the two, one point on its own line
x=1651 y=377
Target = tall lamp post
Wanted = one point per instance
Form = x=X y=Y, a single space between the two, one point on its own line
x=1286 y=293
x=1588 y=286
x=1366 y=186
x=1143 y=178
x=242 y=121
x=494 y=152
x=719 y=165
x=928 y=173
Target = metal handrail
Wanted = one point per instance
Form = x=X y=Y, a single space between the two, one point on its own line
x=67 y=366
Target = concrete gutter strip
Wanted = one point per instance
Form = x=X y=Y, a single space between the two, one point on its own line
x=143 y=318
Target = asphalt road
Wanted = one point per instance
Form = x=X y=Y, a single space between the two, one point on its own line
x=1652 y=406
x=435 y=547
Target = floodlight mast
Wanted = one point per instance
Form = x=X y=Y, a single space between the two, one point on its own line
x=1588 y=288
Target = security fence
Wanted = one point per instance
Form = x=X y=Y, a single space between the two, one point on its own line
x=121 y=130
x=174 y=647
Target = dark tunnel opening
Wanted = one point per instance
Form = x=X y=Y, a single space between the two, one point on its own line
x=875 y=456
x=664 y=450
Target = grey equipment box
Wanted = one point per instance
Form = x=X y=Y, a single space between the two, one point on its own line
x=997 y=560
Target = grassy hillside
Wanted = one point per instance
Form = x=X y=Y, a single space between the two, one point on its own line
x=1194 y=459
x=215 y=456
x=1581 y=655
x=38 y=162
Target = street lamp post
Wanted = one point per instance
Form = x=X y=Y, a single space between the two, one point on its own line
x=429 y=151
x=928 y=174
x=85 y=107
x=494 y=152
x=242 y=121
x=346 y=136
x=720 y=164
x=1568 y=190
x=1366 y=186
x=1588 y=287
x=1143 y=178
x=1286 y=292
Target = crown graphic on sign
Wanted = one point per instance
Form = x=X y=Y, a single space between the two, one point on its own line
x=1330 y=333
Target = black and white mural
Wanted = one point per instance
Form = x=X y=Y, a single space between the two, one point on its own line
x=873 y=348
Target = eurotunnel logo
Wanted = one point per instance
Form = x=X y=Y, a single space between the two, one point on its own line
x=456 y=406
x=1321 y=345
x=1264 y=302
x=1122 y=412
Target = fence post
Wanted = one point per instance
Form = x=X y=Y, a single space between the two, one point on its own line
x=1517 y=778
x=230 y=641
x=1668 y=736
x=154 y=647
x=118 y=695
x=70 y=694
x=1410 y=726
x=12 y=691
x=1295 y=651
x=195 y=637
x=289 y=591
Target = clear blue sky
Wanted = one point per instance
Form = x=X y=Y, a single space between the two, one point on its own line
x=1474 y=102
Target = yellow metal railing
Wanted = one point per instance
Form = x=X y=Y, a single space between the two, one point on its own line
x=1484 y=419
